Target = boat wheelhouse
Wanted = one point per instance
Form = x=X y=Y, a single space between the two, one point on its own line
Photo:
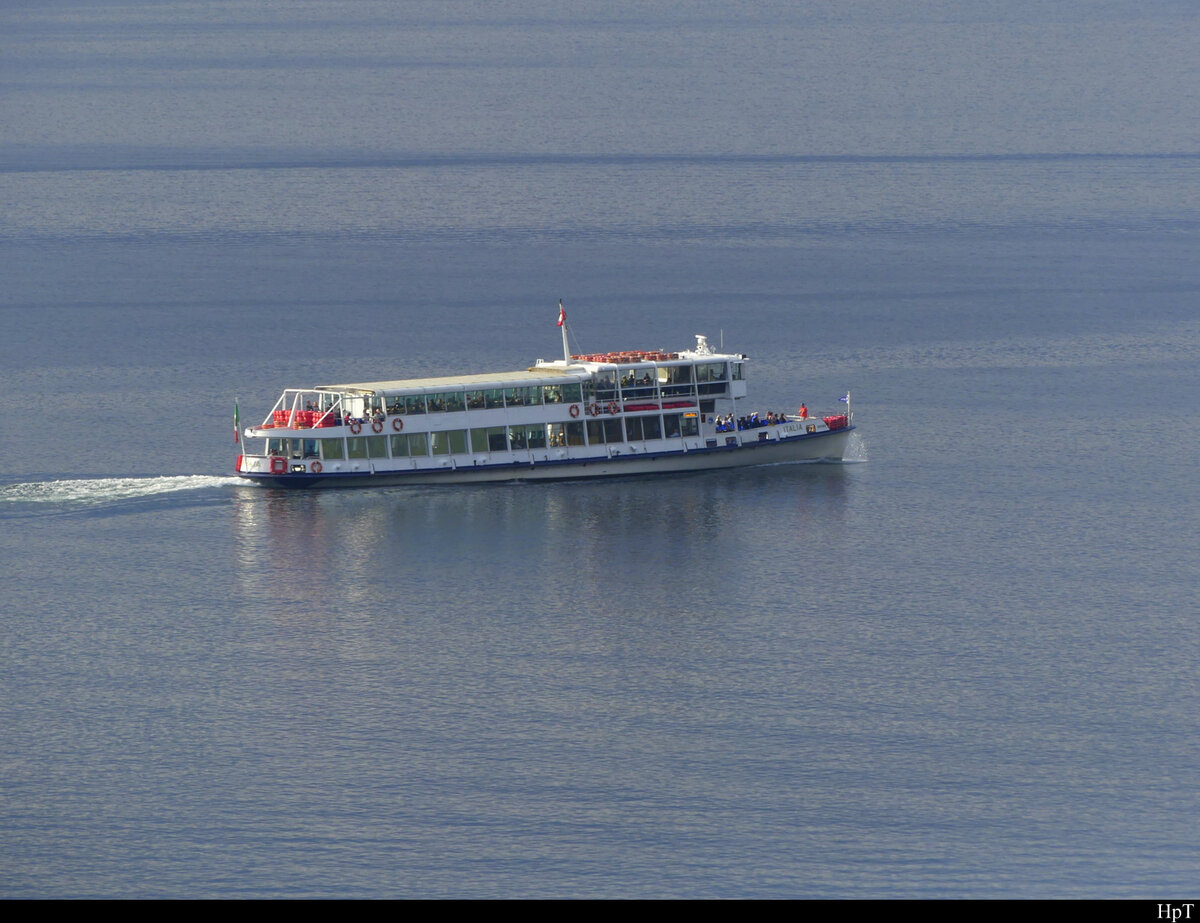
x=593 y=415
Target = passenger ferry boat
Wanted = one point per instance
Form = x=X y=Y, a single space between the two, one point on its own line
x=582 y=416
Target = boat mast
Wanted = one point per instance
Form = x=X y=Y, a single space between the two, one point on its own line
x=562 y=322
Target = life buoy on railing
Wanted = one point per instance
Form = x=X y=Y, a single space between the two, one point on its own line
x=574 y=410
x=316 y=467
x=594 y=410
x=613 y=408
x=377 y=426
x=278 y=465
x=355 y=427
x=397 y=423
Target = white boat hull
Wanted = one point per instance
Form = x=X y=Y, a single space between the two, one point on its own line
x=551 y=464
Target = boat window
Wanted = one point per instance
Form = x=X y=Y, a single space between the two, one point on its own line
x=356 y=447
x=377 y=446
x=575 y=433
x=333 y=448
x=710 y=371
x=552 y=394
x=530 y=395
x=739 y=371
x=516 y=437
x=558 y=434
x=633 y=428
x=612 y=431
x=418 y=444
x=474 y=400
x=310 y=448
x=671 y=425
x=276 y=447
x=492 y=439
x=445 y=402
x=572 y=393
x=414 y=403
x=595 y=432
x=606 y=385
x=493 y=398
x=399 y=445
x=395 y=405
x=536 y=436
x=691 y=425
x=651 y=427
x=458 y=441
x=675 y=380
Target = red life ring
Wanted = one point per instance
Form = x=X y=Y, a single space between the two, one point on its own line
x=574 y=410
x=377 y=427
x=397 y=423
x=278 y=465
x=316 y=467
x=594 y=410
x=613 y=408
x=355 y=427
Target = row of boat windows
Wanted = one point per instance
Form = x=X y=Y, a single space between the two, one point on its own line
x=669 y=381
x=491 y=439
x=481 y=399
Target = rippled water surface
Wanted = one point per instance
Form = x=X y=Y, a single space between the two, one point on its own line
x=960 y=664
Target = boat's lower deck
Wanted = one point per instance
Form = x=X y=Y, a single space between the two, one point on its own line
x=787 y=442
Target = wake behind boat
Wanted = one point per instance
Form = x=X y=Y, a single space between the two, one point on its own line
x=582 y=416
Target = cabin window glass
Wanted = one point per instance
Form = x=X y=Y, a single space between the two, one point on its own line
x=395 y=405
x=277 y=447
x=606 y=385
x=638 y=384
x=492 y=439
x=738 y=371
x=691 y=425
x=418 y=444
x=612 y=431
x=516 y=437
x=633 y=428
x=595 y=432
x=529 y=396
x=310 y=448
x=651 y=428
x=377 y=446
x=436 y=403
x=399 y=445
x=455 y=402
x=458 y=441
x=552 y=394
x=493 y=398
x=474 y=400
x=575 y=433
x=572 y=393
x=439 y=444
x=558 y=434
x=333 y=448
x=356 y=447
x=671 y=425
x=536 y=436
x=414 y=403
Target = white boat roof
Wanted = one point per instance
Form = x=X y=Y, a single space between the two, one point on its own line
x=455 y=382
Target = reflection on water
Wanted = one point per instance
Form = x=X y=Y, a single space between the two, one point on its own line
x=586 y=538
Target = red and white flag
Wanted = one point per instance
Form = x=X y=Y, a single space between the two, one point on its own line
x=562 y=314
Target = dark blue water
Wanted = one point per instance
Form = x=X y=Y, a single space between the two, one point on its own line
x=961 y=665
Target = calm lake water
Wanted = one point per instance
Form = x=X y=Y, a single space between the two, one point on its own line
x=962 y=664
